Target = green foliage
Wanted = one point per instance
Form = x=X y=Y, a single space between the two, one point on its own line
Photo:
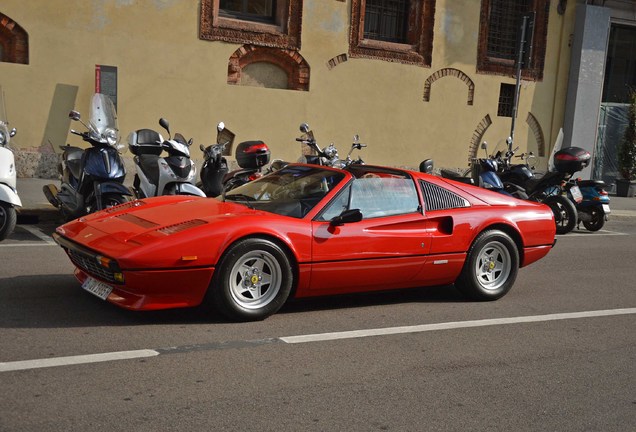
x=627 y=150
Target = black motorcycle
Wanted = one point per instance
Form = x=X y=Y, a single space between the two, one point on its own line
x=552 y=187
x=92 y=178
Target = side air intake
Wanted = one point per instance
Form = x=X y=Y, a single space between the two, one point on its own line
x=438 y=198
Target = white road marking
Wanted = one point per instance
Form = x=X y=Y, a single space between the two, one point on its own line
x=39 y=234
x=26 y=244
x=581 y=233
x=320 y=337
x=451 y=325
x=74 y=360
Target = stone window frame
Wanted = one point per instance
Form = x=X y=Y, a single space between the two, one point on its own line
x=421 y=23
x=14 y=41
x=505 y=67
x=284 y=34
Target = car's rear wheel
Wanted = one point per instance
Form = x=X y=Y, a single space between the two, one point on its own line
x=491 y=267
x=253 y=280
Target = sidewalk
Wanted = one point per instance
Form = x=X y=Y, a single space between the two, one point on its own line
x=35 y=207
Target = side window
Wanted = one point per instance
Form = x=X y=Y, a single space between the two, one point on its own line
x=375 y=197
x=500 y=22
x=394 y=30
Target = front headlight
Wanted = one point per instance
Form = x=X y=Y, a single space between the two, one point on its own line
x=111 y=136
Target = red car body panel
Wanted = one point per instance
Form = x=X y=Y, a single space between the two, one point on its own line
x=167 y=247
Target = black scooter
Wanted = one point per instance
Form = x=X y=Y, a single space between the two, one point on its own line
x=92 y=178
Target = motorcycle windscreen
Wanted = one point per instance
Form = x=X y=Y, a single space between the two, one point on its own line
x=103 y=120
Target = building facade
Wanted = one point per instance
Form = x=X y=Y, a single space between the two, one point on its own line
x=415 y=79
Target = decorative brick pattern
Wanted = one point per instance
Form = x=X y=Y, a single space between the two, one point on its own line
x=290 y=61
x=285 y=34
x=14 y=41
x=453 y=73
x=478 y=134
x=535 y=127
x=336 y=61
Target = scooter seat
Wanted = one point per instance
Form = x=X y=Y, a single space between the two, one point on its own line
x=592 y=183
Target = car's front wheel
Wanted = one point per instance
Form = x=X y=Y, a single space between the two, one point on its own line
x=253 y=280
x=491 y=267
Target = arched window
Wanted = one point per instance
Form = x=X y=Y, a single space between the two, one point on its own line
x=14 y=41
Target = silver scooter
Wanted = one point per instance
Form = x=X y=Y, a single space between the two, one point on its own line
x=173 y=174
x=9 y=198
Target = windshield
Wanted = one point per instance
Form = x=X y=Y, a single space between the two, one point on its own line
x=103 y=120
x=291 y=191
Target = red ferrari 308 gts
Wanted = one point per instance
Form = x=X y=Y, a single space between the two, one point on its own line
x=307 y=230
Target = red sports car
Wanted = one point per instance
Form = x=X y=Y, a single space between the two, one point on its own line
x=307 y=230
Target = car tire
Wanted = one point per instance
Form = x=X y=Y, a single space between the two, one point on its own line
x=253 y=280
x=8 y=218
x=565 y=214
x=491 y=267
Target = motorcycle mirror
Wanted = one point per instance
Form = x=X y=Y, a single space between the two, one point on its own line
x=356 y=138
x=201 y=147
x=189 y=142
x=220 y=127
x=164 y=124
x=484 y=145
x=74 y=115
x=304 y=127
x=13 y=132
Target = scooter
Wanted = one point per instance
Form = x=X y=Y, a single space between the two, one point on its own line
x=173 y=174
x=215 y=167
x=92 y=178
x=483 y=172
x=593 y=210
x=328 y=156
x=9 y=198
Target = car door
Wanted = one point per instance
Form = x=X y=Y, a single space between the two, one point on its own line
x=384 y=250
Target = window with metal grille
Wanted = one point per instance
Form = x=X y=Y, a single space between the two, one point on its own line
x=503 y=26
x=506 y=100
x=438 y=198
x=250 y=10
x=499 y=28
x=386 y=20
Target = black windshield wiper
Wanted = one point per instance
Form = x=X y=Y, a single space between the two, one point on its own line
x=244 y=199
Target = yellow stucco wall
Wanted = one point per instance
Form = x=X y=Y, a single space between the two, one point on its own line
x=164 y=70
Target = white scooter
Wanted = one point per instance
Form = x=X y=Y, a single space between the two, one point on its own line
x=173 y=174
x=9 y=198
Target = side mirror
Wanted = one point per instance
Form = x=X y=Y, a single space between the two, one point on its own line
x=13 y=132
x=74 y=115
x=202 y=147
x=484 y=145
x=427 y=166
x=220 y=127
x=347 y=216
x=356 y=138
x=164 y=124
x=304 y=127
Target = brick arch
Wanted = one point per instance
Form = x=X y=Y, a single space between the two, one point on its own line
x=478 y=134
x=294 y=65
x=535 y=127
x=449 y=72
x=14 y=41
x=336 y=61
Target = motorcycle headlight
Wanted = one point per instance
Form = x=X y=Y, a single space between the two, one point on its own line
x=111 y=136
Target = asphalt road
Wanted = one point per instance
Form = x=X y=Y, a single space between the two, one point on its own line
x=557 y=353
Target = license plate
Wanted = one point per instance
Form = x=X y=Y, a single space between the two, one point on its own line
x=606 y=209
x=576 y=194
x=100 y=289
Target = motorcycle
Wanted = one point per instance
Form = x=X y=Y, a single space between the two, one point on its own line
x=483 y=172
x=552 y=187
x=155 y=175
x=91 y=179
x=328 y=156
x=9 y=198
x=593 y=210
x=215 y=167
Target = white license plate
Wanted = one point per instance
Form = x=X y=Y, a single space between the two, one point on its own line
x=606 y=209
x=576 y=194
x=100 y=289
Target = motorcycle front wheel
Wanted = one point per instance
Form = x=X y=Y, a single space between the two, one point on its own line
x=565 y=215
x=111 y=200
x=8 y=218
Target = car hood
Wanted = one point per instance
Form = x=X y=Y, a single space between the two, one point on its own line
x=142 y=222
